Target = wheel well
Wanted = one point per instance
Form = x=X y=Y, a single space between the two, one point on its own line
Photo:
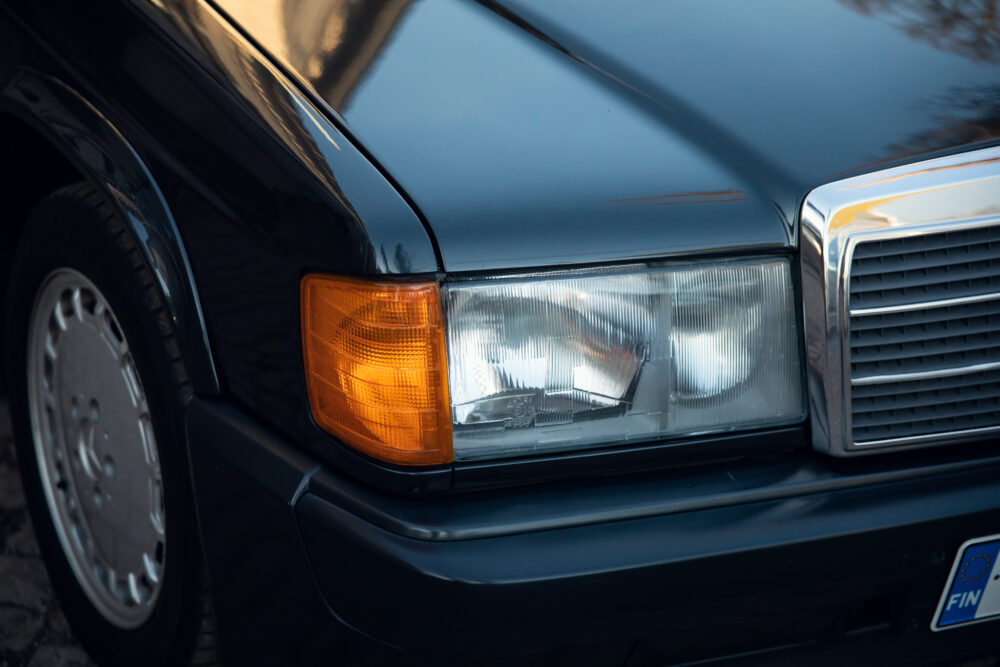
x=30 y=169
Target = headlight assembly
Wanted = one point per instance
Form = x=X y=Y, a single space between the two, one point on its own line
x=542 y=364
x=551 y=362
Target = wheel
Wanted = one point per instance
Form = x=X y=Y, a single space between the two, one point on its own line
x=97 y=394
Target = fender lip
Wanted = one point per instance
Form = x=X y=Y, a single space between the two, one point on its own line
x=397 y=237
x=89 y=140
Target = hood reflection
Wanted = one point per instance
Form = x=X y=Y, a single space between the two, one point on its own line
x=968 y=28
x=331 y=43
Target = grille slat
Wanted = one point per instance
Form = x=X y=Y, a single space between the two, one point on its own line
x=927 y=279
x=951 y=382
x=924 y=364
x=926 y=292
x=925 y=260
x=927 y=242
x=932 y=347
x=930 y=427
x=892 y=353
x=931 y=331
x=943 y=314
x=901 y=416
x=924 y=399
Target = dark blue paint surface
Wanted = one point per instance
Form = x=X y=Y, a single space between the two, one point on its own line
x=572 y=131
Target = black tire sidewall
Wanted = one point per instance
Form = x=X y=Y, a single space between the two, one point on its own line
x=68 y=230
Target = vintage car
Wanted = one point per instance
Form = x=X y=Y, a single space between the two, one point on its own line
x=510 y=332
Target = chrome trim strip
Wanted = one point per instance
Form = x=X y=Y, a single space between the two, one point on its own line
x=937 y=438
x=944 y=194
x=926 y=375
x=925 y=305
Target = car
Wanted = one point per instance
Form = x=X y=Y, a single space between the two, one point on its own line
x=441 y=332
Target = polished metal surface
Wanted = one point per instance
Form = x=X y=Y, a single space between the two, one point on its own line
x=935 y=438
x=941 y=303
x=955 y=193
x=925 y=375
x=96 y=450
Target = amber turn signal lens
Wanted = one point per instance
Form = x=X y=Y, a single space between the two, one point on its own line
x=376 y=369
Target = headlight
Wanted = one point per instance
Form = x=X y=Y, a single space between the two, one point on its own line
x=542 y=364
x=551 y=362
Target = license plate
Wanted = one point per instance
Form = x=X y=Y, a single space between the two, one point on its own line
x=973 y=591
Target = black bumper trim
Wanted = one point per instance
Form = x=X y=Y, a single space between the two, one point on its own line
x=680 y=565
x=250 y=448
x=699 y=583
x=583 y=502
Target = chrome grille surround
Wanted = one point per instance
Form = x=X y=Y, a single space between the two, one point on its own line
x=935 y=227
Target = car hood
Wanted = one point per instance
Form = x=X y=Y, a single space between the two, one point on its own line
x=532 y=134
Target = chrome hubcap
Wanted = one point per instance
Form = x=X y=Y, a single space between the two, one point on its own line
x=95 y=447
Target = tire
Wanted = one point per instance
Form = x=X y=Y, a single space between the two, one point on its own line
x=140 y=613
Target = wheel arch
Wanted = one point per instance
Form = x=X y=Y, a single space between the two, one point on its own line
x=55 y=136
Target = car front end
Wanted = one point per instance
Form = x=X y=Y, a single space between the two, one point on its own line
x=539 y=333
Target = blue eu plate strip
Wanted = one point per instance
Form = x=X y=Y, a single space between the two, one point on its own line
x=973 y=591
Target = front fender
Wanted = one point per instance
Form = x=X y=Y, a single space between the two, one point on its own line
x=104 y=157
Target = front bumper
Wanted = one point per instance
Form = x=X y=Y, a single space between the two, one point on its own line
x=788 y=559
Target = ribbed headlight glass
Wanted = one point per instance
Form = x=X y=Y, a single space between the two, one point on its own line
x=547 y=363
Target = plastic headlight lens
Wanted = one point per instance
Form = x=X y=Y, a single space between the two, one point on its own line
x=542 y=364
x=375 y=366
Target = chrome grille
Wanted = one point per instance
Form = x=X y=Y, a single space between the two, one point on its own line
x=901 y=303
x=924 y=326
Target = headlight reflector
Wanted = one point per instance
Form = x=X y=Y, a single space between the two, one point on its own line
x=548 y=363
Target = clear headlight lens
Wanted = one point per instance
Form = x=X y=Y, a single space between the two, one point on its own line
x=548 y=363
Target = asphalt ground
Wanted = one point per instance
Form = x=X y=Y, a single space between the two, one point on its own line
x=33 y=630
